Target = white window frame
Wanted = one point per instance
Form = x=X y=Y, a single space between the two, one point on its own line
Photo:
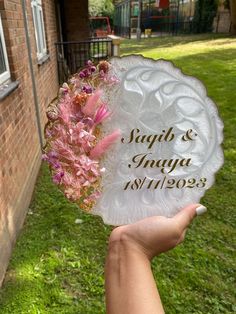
x=5 y=75
x=39 y=28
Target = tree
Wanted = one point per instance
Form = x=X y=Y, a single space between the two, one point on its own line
x=205 y=11
x=232 y=5
x=101 y=8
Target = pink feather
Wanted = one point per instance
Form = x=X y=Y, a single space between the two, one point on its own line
x=91 y=104
x=104 y=144
x=101 y=114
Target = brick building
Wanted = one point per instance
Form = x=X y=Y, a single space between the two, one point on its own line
x=28 y=83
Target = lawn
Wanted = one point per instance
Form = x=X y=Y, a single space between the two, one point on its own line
x=57 y=265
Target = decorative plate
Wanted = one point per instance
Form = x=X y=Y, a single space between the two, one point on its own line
x=165 y=141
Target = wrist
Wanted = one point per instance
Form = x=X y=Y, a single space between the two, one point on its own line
x=122 y=243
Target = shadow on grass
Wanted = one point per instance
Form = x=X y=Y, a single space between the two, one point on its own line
x=130 y=45
x=55 y=254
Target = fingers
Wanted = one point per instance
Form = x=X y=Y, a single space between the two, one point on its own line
x=187 y=214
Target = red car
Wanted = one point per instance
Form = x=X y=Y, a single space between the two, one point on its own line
x=100 y=26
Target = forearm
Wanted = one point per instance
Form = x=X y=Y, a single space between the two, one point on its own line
x=130 y=286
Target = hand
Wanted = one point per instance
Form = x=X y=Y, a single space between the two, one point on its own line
x=130 y=286
x=158 y=234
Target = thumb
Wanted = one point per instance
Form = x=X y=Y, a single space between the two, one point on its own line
x=187 y=214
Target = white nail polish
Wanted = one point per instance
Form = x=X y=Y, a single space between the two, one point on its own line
x=201 y=210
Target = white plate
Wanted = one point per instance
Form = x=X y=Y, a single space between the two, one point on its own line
x=163 y=115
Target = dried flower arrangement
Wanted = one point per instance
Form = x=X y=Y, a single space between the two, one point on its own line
x=73 y=134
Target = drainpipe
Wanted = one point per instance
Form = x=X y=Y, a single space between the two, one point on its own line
x=36 y=102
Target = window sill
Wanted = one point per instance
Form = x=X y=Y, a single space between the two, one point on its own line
x=7 y=88
x=43 y=59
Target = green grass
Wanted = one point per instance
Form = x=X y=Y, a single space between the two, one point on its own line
x=57 y=265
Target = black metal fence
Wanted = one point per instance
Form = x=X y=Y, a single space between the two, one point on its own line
x=173 y=27
x=71 y=56
x=122 y=19
x=160 y=28
x=122 y=31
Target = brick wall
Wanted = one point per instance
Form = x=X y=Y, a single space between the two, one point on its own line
x=20 y=154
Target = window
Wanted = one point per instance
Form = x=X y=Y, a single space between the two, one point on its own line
x=4 y=66
x=39 y=28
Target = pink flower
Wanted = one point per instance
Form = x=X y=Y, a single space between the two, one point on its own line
x=101 y=114
x=89 y=63
x=58 y=177
x=104 y=144
x=87 y=89
x=89 y=164
x=64 y=107
x=63 y=150
x=89 y=122
x=52 y=158
x=92 y=197
x=79 y=136
x=90 y=106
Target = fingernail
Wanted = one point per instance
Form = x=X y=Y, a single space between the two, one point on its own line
x=201 y=210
